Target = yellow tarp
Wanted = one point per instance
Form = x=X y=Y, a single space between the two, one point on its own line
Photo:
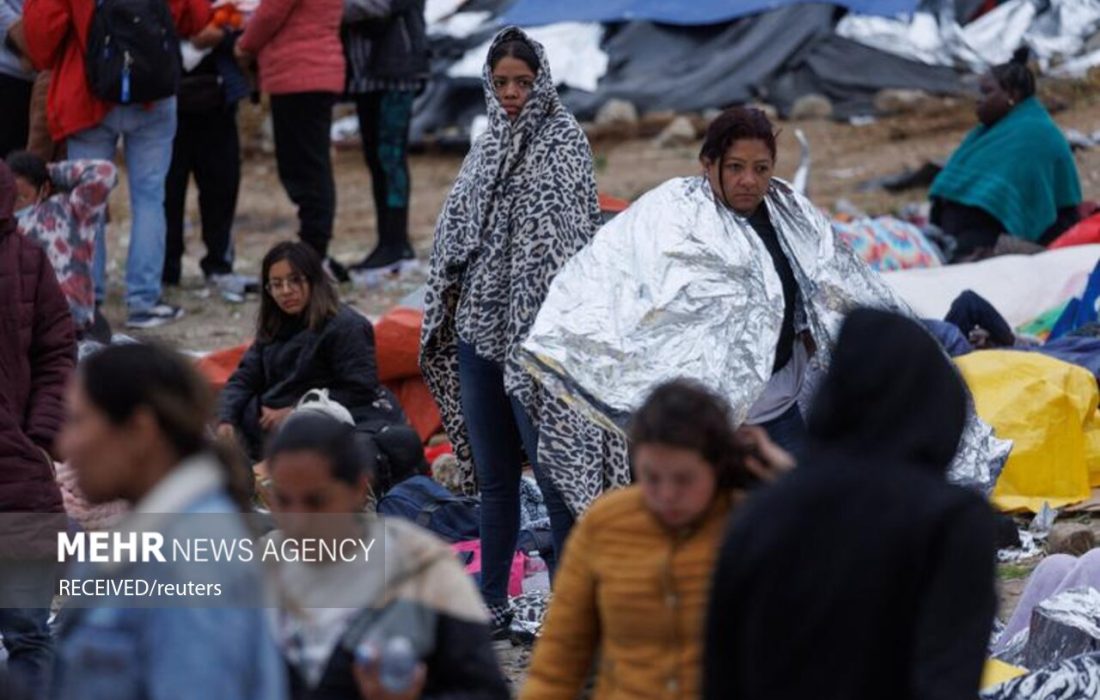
x=1048 y=409
x=997 y=672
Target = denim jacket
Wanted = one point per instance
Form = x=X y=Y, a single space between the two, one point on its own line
x=116 y=653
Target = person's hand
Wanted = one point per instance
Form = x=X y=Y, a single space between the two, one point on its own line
x=262 y=478
x=244 y=58
x=17 y=38
x=226 y=431
x=370 y=685
x=763 y=458
x=210 y=36
x=272 y=418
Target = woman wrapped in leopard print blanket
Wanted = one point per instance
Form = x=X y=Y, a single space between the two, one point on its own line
x=524 y=202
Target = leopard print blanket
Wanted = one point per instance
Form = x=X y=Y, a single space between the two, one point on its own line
x=524 y=202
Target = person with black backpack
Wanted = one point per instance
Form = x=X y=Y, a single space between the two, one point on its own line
x=405 y=489
x=127 y=92
x=208 y=146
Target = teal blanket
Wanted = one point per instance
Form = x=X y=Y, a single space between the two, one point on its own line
x=1020 y=170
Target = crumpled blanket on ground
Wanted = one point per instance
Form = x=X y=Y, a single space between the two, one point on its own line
x=1075 y=679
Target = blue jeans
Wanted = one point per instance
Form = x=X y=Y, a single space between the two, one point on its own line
x=788 y=431
x=25 y=630
x=500 y=432
x=147 y=136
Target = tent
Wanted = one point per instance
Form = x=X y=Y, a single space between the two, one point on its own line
x=664 y=55
x=697 y=12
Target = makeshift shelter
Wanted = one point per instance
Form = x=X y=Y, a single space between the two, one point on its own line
x=1021 y=287
x=662 y=55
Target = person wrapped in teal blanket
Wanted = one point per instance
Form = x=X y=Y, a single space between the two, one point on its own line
x=1013 y=174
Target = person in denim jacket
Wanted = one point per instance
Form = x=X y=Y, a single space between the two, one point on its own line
x=136 y=430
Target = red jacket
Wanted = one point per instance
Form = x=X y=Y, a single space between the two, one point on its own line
x=37 y=355
x=297 y=43
x=57 y=34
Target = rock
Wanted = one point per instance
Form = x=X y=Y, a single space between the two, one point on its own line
x=1070 y=538
x=617 y=112
x=653 y=123
x=680 y=133
x=811 y=107
x=900 y=101
x=1064 y=626
x=710 y=114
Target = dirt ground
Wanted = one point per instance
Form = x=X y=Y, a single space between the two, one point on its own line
x=843 y=157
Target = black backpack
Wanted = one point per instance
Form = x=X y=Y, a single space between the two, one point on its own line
x=133 y=53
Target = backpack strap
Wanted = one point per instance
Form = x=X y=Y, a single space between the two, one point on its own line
x=424 y=517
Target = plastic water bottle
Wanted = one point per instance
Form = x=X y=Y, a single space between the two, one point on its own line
x=398 y=667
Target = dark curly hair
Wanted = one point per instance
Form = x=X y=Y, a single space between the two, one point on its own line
x=685 y=414
x=737 y=124
x=1015 y=77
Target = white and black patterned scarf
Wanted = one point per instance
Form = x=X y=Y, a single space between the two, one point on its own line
x=524 y=202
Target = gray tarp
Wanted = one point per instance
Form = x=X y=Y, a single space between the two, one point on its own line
x=776 y=56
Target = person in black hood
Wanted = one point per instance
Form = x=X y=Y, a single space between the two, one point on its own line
x=862 y=573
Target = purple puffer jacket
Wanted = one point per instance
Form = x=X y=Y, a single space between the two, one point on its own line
x=37 y=355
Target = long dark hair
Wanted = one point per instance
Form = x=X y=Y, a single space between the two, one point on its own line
x=121 y=379
x=683 y=413
x=324 y=301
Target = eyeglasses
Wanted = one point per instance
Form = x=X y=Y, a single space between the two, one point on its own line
x=277 y=285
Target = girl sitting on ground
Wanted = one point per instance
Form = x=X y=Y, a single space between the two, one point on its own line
x=305 y=339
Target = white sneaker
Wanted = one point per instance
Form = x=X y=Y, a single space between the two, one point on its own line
x=376 y=276
x=233 y=287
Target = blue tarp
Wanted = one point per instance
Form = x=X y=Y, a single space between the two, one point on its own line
x=531 y=13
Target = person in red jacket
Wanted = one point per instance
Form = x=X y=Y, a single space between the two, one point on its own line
x=37 y=355
x=57 y=37
x=301 y=60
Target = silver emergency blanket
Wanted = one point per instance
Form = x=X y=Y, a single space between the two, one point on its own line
x=1062 y=627
x=678 y=285
x=1074 y=679
x=1055 y=30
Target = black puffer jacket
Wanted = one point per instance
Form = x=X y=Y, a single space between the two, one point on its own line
x=394 y=47
x=339 y=357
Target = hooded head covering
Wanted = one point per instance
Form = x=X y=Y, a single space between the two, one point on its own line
x=863 y=568
x=523 y=204
x=891 y=393
x=7 y=200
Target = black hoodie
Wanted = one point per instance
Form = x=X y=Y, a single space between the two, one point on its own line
x=863 y=574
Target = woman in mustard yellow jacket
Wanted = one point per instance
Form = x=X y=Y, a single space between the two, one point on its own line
x=632 y=588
